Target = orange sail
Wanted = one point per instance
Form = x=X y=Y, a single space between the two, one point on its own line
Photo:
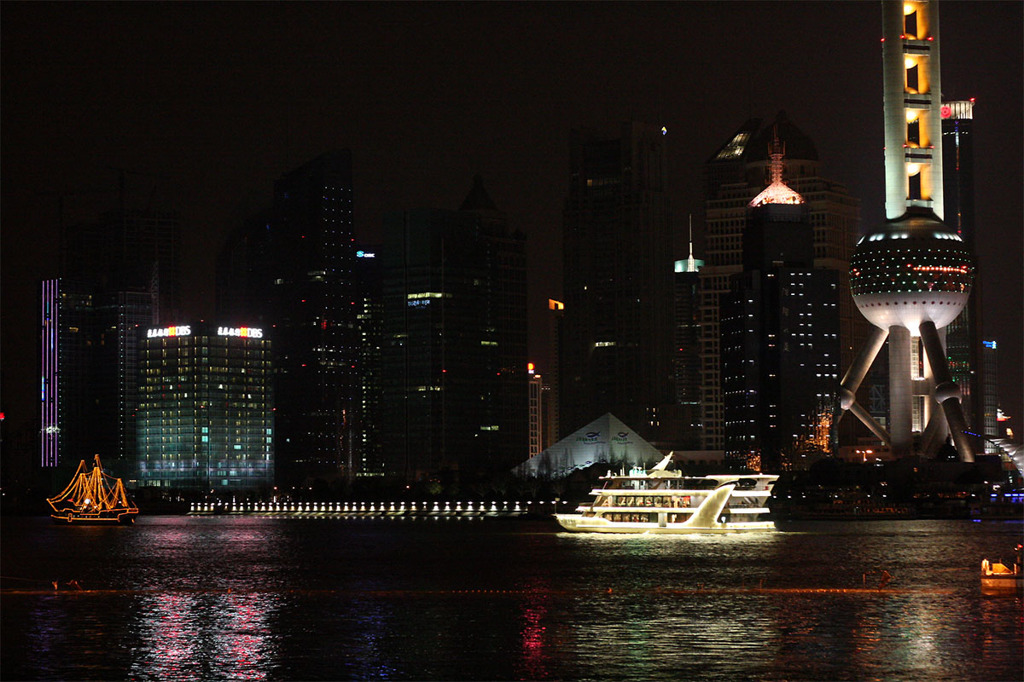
x=93 y=497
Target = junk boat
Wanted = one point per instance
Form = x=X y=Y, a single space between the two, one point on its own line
x=662 y=501
x=93 y=497
x=997 y=577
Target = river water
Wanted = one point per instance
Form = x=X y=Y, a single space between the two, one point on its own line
x=189 y=598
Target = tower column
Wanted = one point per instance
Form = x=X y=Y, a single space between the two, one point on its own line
x=947 y=393
x=900 y=391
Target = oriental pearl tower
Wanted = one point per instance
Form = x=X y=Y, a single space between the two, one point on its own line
x=912 y=276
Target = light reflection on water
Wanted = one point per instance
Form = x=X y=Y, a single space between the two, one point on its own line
x=189 y=636
x=250 y=598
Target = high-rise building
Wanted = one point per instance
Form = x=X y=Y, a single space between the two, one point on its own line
x=136 y=250
x=205 y=418
x=536 y=412
x=616 y=345
x=738 y=171
x=364 y=457
x=686 y=359
x=116 y=274
x=779 y=335
x=912 y=276
x=89 y=362
x=990 y=399
x=66 y=332
x=454 y=366
x=963 y=335
x=292 y=269
x=554 y=316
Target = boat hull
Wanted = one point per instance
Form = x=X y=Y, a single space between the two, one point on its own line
x=106 y=518
x=577 y=523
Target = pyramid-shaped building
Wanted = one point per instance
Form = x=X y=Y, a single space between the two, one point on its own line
x=604 y=440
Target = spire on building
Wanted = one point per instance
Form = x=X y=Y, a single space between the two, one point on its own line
x=478 y=199
x=777 y=192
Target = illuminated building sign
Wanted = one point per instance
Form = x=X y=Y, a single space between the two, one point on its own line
x=184 y=330
x=246 y=332
x=365 y=254
x=989 y=344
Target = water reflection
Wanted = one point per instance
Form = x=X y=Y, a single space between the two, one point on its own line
x=533 y=634
x=197 y=635
x=280 y=599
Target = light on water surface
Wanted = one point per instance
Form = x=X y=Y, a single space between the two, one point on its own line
x=263 y=598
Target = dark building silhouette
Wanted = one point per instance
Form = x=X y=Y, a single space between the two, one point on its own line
x=686 y=360
x=454 y=365
x=738 y=171
x=779 y=336
x=118 y=273
x=963 y=335
x=292 y=270
x=616 y=345
x=136 y=250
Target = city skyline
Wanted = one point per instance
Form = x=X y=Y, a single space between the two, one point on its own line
x=204 y=106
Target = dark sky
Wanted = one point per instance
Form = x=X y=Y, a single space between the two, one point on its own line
x=208 y=103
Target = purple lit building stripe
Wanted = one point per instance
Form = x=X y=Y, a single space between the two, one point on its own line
x=49 y=422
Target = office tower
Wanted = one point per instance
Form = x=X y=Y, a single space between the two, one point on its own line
x=616 y=346
x=205 y=419
x=963 y=335
x=89 y=372
x=686 y=359
x=455 y=402
x=912 y=276
x=504 y=251
x=536 y=383
x=554 y=316
x=292 y=268
x=738 y=171
x=136 y=250
x=779 y=335
x=116 y=273
x=65 y=340
x=364 y=453
x=990 y=399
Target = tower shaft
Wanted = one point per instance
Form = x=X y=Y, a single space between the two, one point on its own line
x=912 y=104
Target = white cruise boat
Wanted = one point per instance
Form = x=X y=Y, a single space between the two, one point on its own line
x=662 y=501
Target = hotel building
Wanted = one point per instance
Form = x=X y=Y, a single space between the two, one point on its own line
x=205 y=419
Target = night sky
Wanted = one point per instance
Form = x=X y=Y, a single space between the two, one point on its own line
x=208 y=103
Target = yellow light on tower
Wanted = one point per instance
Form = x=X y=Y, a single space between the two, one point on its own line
x=909 y=62
x=907 y=8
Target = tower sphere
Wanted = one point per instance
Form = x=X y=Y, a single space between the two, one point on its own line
x=913 y=269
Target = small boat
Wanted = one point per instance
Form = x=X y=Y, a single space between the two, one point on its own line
x=998 y=578
x=662 y=501
x=93 y=497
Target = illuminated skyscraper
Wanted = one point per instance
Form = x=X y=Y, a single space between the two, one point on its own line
x=205 y=419
x=293 y=269
x=779 y=335
x=912 y=276
x=963 y=336
x=686 y=422
x=616 y=345
x=738 y=171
